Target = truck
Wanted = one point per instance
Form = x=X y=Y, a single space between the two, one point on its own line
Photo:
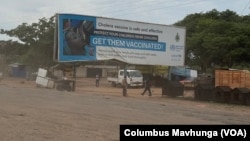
x=230 y=86
x=134 y=78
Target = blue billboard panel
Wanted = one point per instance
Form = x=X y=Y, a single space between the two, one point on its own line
x=74 y=38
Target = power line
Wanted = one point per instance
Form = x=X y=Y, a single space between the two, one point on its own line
x=245 y=7
x=60 y=9
x=113 y=7
x=158 y=8
x=109 y=5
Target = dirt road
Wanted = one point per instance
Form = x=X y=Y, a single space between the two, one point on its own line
x=28 y=113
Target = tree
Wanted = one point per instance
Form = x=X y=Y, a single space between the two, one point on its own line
x=37 y=41
x=220 y=38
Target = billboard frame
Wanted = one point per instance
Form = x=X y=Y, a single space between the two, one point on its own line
x=132 y=42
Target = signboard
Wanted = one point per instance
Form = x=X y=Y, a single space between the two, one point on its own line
x=89 y=38
x=161 y=69
x=183 y=72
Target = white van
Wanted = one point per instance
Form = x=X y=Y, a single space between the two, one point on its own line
x=134 y=78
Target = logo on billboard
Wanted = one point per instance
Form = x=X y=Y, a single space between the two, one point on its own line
x=176 y=57
x=176 y=48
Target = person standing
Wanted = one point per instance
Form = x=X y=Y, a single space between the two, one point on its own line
x=97 y=80
x=148 y=84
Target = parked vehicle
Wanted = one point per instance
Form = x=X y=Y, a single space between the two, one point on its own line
x=228 y=85
x=134 y=78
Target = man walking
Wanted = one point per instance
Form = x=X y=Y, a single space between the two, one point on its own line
x=97 y=79
x=147 y=87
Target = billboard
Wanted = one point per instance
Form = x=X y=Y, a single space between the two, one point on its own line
x=89 y=38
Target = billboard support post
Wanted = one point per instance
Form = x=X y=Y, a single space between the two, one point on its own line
x=74 y=76
x=125 y=84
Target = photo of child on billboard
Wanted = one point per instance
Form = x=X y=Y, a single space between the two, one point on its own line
x=77 y=37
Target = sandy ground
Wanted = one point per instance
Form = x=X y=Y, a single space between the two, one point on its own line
x=30 y=113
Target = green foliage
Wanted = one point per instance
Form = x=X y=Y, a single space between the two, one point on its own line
x=217 y=39
x=37 y=44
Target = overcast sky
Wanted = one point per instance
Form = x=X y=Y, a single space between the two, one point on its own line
x=16 y=12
